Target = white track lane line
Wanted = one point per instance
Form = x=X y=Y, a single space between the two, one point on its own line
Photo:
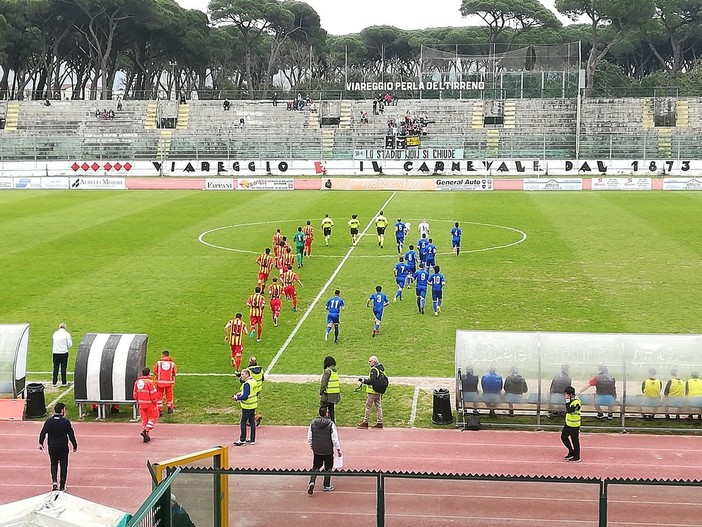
x=324 y=288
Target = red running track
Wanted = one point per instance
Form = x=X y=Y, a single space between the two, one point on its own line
x=110 y=468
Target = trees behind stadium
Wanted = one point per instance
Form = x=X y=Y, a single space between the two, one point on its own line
x=240 y=45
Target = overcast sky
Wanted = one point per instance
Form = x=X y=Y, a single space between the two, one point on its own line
x=340 y=17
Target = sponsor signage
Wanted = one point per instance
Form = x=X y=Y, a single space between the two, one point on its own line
x=5 y=182
x=412 y=153
x=219 y=184
x=463 y=184
x=98 y=183
x=553 y=184
x=26 y=182
x=266 y=184
x=682 y=184
x=60 y=182
x=621 y=183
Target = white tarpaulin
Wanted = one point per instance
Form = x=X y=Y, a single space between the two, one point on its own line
x=58 y=509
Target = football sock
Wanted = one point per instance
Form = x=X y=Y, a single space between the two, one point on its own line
x=336 y=332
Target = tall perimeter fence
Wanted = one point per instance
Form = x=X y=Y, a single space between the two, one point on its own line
x=263 y=497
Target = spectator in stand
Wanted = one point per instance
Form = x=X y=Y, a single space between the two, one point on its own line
x=275 y=99
x=394 y=99
x=556 y=392
x=241 y=123
x=111 y=114
x=182 y=99
x=492 y=389
x=119 y=103
x=605 y=391
x=226 y=105
x=469 y=388
x=375 y=107
x=515 y=388
x=47 y=102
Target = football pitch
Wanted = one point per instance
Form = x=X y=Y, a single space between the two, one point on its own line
x=177 y=265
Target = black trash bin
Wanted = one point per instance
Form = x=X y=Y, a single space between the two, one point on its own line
x=442 y=414
x=36 y=406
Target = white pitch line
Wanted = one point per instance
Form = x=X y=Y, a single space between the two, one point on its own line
x=415 y=401
x=52 y=403
x=324 y=288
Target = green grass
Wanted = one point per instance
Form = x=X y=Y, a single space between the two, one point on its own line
x=129 y=262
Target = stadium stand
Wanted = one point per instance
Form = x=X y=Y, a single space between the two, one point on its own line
x=650 y=128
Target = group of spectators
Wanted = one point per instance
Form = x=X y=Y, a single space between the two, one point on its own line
x=411 y=125
x=685 y=396
x=383 y=100
x=299 y=103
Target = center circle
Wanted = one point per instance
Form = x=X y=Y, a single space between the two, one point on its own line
x=520 y=234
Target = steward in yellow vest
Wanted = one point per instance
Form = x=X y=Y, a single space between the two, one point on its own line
x=570 y=436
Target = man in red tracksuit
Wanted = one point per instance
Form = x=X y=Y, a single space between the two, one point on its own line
x=145 y=396
x=165 y=374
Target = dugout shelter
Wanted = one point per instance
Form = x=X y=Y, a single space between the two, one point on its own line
x=107 y=365
x=14 y=342
x=539 y=357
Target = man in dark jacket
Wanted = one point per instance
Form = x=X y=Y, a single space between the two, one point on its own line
x=323 y=440
x=60 y=431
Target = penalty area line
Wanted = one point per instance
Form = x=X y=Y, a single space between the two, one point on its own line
x=324 y=288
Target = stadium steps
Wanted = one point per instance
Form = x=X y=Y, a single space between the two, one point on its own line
x=12 y=116
x=150 y=117
x=647 y=118
x=682 y=114
x=313 y=120
x=665 y=143
x=492 y=144
x=345 y=115
x=477 y=115
x=328 y=142
x=510 y=114
x=164 y=144
x=183 y=117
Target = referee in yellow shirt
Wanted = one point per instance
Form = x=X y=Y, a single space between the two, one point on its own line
x=353 y=228
x=381 y=222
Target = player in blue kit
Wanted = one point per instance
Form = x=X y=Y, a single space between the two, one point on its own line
x=421 y=278
x=411 y=261
x=335 y=305
x=422 y=248
x=456 y=233
x=431 y=254
x=378 y=301
x=437 y=282
x=401 y=273
x=400 y=235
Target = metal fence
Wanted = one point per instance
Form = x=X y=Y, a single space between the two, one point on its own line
x=435 y=492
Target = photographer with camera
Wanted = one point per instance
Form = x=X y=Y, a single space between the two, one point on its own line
x=376 y=384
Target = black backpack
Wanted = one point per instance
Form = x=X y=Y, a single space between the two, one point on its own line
x=381 y=383
x=472 y=423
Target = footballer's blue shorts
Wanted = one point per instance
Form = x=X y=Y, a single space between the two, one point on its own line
x=437 y=294
x=401 y=282
x=421 y=292
x=456 y=242
x=332 y=319
x=378 y=313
